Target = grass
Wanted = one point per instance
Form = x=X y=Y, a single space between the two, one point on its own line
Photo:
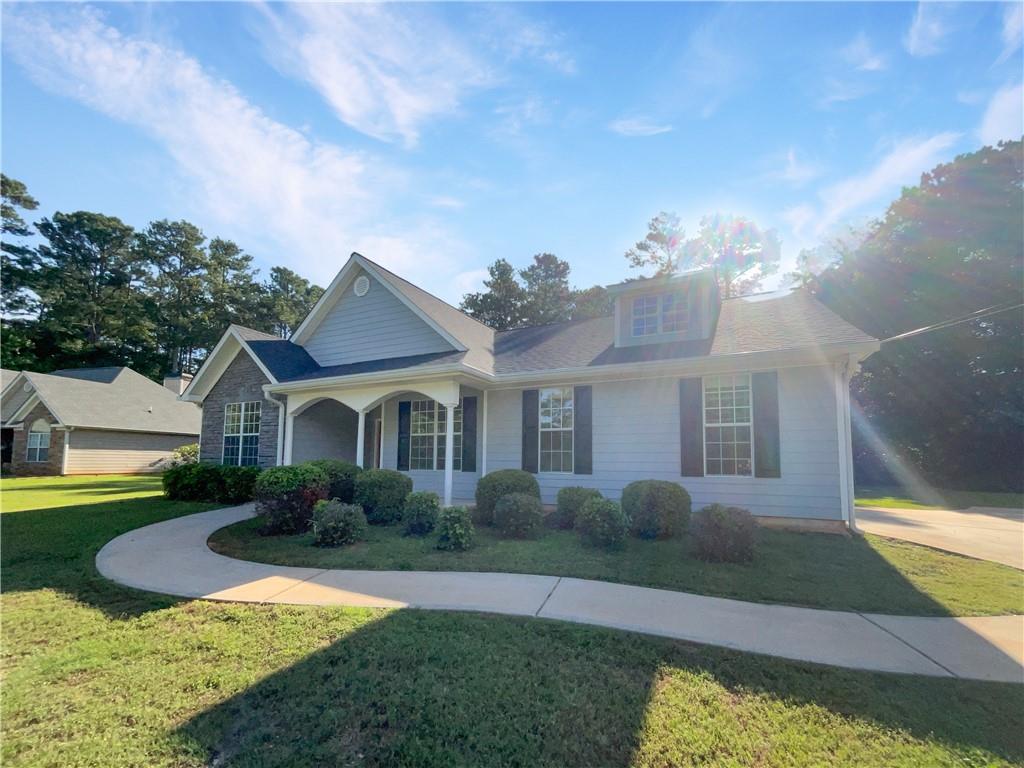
x=870 y=573
x=21 y=493
x=898 y=498
x=96 y=674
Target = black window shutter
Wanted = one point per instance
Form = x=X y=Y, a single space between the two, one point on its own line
x=691 y=427
x=582 y=430
x=404 y=424
x=469 y=434
x=767 y=461
x=531 y=426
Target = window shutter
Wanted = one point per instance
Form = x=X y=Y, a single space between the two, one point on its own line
x=582 y=430
x=691 y=427
x=469 y=434
x=404 y=424
x=767 y=461
x=531 y=427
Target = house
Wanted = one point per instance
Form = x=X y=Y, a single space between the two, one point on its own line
x=743 y=401
x=93 y=421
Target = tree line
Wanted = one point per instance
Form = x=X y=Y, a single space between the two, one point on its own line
x=85 y=289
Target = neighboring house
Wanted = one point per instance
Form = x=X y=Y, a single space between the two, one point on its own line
x=742 y=401
x=93 y=421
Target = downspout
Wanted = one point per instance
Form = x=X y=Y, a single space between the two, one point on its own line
x=281 y=404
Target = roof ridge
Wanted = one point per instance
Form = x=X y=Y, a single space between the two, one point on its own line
x=557 y=322
x=423 y=290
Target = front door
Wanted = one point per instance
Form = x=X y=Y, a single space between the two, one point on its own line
x=377 y=437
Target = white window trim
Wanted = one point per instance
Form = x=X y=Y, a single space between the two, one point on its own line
x=439 y=434
x=704 y=425
x=571 y=430
x=29 y=447
x=659 y=313
x=241 y=431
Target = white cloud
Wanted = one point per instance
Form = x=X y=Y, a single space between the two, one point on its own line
x=796 y=171
x=839 y=91
x=929 y=29
x=970 y=97
x=1003 y=119
x=710 y=69
x=258 y=180
x=516 y=36
x=384 y=70
x=1013 y=29
x=904 y=164
x=861 y=56
x=471 y=281
x=444 y=201
x=638 y=126
x=799 y=219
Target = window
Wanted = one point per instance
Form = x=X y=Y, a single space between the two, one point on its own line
x=675 y=312
x=664 y=313
x=645 y=315
x=556 y=419
x=242 y=433
x=39 y=441
x=727 y=425
x=426 y=439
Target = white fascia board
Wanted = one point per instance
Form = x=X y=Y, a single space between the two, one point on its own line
x=18 y=377
x=193 y=392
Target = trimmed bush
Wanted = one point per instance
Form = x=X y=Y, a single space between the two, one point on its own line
x=602 y=523
x=656 y=509
x=455 y=529
x=194 y=482
x=239 y=484
x=420 y=513
x=494 y=485
x=519 y=515
x=336 y=523
x=341 y=478
x=569 y=503
x=185 y=454
x=723 y=534
x=381 y=493
x=285 y=496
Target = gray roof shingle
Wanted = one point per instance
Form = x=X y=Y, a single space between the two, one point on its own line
x=114 y=398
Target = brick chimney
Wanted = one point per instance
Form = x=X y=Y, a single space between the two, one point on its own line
x=177 y=382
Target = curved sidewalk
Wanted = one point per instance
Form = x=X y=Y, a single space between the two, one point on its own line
x=172 y=557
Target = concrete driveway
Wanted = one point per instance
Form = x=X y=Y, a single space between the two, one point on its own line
x=988 y=533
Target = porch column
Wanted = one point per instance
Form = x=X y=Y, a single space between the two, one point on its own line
x=360 y=437
x=449 y=450
x=289 y=434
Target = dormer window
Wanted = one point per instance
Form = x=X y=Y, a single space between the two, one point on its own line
x=660 y=313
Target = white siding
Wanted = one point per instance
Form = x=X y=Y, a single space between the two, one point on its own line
x=96 y=451
x=463 y=483
x=326 y=430
x=636 y=437
x=372 y=327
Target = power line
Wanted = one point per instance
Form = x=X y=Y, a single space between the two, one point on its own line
x=976 y=315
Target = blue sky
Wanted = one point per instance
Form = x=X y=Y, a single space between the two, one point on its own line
x=438 y=138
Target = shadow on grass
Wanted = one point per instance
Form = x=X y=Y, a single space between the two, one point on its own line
x=56 y=549
x=418 y=688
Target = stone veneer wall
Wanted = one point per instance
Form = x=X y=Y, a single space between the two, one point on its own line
x=242 y=382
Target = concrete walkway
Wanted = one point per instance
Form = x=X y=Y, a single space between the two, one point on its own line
x=172 y=557
x=987 y=533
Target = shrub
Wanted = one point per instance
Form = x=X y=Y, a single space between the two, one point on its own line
x=494 y=485
x=723 y=534
x=381 y=493
x=455 y=529
x=285 y=497
x=185 y=454
x=602 y=523
x=341 y=477
x=239 y=484
x=519 y=515
x=656 y=509
x=420 y=513
x=194 y=482
x=569 y=502
x=336 y=523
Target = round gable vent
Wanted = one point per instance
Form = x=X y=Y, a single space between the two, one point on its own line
x=362 y=285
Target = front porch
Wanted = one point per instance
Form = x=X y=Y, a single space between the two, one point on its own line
x=412 y=427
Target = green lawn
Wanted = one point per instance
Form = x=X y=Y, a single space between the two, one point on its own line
x=21 y=493
x=98 y=675
x=868 y=573
x=937 y=498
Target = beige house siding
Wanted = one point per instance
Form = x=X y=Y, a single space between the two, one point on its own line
x=95 y=451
